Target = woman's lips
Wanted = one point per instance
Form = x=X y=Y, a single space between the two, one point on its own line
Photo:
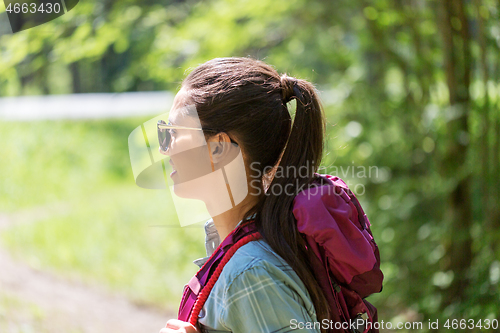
x=173 y=170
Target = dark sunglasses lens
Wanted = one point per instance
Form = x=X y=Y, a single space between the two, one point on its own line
x=163 y=137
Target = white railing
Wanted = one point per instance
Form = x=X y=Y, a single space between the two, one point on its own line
x=85 y=106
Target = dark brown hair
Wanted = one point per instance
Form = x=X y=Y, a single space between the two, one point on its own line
x=247 y=99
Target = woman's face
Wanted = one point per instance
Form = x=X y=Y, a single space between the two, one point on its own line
x=213 y=173
x=188 y=150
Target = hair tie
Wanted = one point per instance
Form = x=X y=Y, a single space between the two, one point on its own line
x=287 y=87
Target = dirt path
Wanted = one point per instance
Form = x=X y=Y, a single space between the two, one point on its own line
x=67 y=306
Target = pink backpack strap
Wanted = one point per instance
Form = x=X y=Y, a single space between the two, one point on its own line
x=202 y=298
x=198 y=283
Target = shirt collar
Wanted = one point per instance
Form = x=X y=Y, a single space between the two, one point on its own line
x=212 y=239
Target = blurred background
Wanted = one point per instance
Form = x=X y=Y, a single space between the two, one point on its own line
x=411 y=92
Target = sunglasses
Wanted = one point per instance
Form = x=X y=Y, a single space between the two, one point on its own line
x=164 y=134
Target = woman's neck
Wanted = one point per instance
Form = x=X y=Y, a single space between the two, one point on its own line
x=227 y=221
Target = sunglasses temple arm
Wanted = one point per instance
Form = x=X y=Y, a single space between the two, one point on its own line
x=179 y=127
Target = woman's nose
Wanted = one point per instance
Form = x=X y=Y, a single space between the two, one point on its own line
x=167 y=151
x=164 y=152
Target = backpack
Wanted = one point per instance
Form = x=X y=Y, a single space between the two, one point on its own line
x=343 y=255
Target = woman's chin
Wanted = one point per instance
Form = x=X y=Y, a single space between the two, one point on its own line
x=183 y=191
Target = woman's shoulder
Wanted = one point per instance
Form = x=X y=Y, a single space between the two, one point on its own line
x=255 y=254
x=257 y=261
x=257 y=286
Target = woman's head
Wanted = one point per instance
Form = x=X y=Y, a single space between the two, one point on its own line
x=195 y=164
x=246 y=100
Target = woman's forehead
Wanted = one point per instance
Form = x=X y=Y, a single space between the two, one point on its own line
x=184 y=115
x=181 y=98
x=176 y=116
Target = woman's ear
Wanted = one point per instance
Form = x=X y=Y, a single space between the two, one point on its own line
x=221 y=149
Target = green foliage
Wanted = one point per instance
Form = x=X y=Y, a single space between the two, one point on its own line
x=399 y=96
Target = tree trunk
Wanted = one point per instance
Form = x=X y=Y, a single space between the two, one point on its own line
x=455 y=32
x=484 y=148
x=495 y=184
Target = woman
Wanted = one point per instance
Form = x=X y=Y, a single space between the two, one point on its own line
x=268 y=284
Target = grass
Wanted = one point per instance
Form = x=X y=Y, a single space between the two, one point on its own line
x=109 y=232
x=19 y=316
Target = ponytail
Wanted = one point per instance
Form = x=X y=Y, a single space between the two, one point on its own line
x=304 y=149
